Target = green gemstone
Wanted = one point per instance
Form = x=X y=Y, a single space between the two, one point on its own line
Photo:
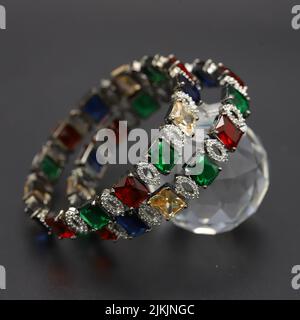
x=94 y=216
x=50 y=168
x=163 y=156
x=238 y=100
x=209 y=173
x=154 y=75
x=144 y=105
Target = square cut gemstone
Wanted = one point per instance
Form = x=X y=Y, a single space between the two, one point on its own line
x=167 y=201
x=163 y=156
x=228 y=133
x=189 y=88
x=209 y=171
x=69 y=136
x=184 y=118
x=132 y=224
x=59 y=228
x=207 y=80
x=237 y=99
x=93 y=162
x=131 y=191
x=50 y=168
x=154 y=75
x=127 y=85
x=95 y=108
x=144 y=105
x=94 y=216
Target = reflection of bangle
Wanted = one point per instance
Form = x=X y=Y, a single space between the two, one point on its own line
x=139 y=200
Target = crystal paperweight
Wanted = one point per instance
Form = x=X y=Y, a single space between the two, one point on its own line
x=237 y=192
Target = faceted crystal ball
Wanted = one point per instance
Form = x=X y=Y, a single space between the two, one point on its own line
x=235 y=195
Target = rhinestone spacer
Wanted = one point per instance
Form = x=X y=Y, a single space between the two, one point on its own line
x=118 y=231
x=216 y=150
x=180 y=187
x=153 y=178
x=172 y=134
x=234 y=83
x=185 y=99
x=150 y=215
x=111 y=204
x=234 y=114
x=73 y=221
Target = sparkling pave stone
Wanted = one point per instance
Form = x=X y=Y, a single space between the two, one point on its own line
x=186 y=187
x=74 y=221
x=167 y=202
x=111 y=204
x=184 y=117
x=228 y=133
x=131 y=191
x=235 y=195
x=150 y=215
x=148 y=173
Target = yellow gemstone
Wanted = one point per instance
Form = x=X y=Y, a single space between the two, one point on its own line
x=127 y=85
x=167 y=202
x=183 y=117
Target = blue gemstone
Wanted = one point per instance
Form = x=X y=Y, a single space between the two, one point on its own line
x=207 y=81
x=190 y=89
x=96 y=108
x=133 y=225
x=93 y=162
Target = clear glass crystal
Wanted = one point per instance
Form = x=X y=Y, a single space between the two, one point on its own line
x=235 y=195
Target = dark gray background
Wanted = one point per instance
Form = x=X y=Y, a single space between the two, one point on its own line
x=53 y=51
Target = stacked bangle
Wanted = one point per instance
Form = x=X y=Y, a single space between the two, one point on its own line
x=141 y=199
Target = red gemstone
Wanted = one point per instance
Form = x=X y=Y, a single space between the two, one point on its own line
x=106 y=234
x=230 y=73
x=131 y=191
x=69 y=137
x=182 y=67
x=59 y=228
x=115 y=128
x=228 y=133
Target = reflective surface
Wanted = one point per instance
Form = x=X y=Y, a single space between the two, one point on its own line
x=235 y=195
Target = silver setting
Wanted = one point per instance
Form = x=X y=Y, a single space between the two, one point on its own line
x=234 y=114
x=118 y=231
x=172 y=134
x=186 y=187
x=185 y=99
x=210 y=67
x=74 y=221
x=234 y=83
x=216 y=150
x=111 y=204
x=148 y=173
x=150 y=215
